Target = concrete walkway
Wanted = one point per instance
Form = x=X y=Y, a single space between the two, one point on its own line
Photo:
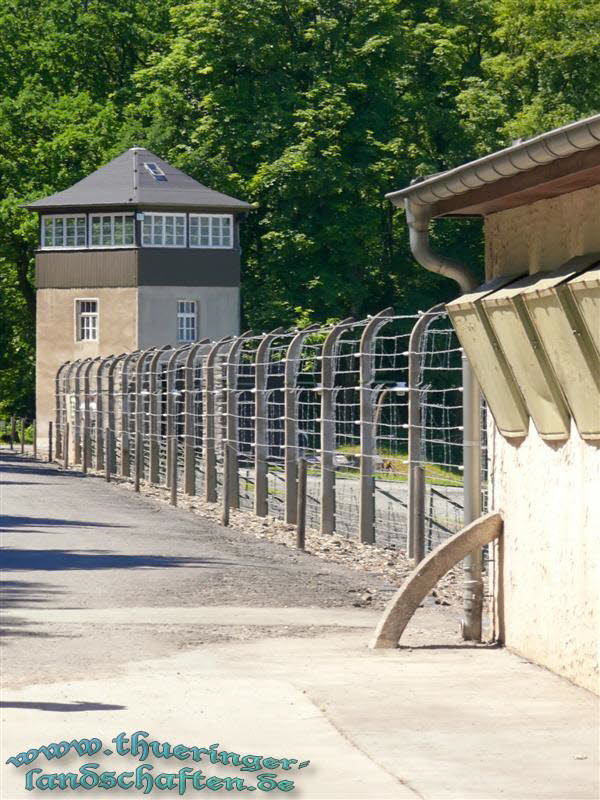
x=123 y=614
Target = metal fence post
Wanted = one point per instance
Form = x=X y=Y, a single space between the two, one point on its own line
x=328 y=412
x=290 y=425
x=301 y=507
x=416 y=480
x=209 y=409
x=261 y=423
x=50 y=442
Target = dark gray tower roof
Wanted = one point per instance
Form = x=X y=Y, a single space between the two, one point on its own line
x=126 y=181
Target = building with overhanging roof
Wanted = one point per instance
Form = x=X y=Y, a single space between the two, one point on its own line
x=134 y=255
x=532 y=337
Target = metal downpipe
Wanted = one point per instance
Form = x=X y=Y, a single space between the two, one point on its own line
x=418 y=218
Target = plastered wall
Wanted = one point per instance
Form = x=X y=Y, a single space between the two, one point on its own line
x=549 y=577
x=218 y=312
x=56 y=340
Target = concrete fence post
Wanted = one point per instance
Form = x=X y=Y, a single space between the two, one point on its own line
x=189 y=426
x=209 y=407
x=328 y=412
x=85 y=449
x=290 y=425
x=226 y=499
x=66 y=446
x=139 y=418
x=50 y=442
x=22 y=436
x=125 y=415
x=368 y=425
x=261 y=422
x=111 y=466
x=13 y=432
x=230 y=469
x=77 y=415
x=301 y=506
x=416 y=480
x=172 y=467
x=108 y=461
x=60 y=406
x=100 y=411
x=154 y=412
x=34 y=429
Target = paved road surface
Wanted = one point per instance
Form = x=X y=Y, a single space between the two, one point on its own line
x=123 y=614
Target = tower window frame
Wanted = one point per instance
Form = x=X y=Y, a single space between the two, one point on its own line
x=115 y=231
x=187 y=320
x=209 y=231
x=58 y=229
x=159 y=226
x=87 y=319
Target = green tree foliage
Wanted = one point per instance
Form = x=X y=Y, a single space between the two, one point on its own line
x=312 y=109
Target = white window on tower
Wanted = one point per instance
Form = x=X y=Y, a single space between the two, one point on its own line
x=211 y=230
x=187 y=321
x=163 y=230
x=111 y=230
x=86 y=320
x=63 y=232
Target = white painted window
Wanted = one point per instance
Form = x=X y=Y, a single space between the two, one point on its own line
x=211 y=230
x=63 y=232
x=187 y=321
x=111 y=230
x=163 y=230
x=86 y=320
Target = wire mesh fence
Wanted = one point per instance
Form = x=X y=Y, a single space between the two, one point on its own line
x=374 y=406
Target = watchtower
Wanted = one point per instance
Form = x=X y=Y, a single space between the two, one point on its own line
x=134 y=255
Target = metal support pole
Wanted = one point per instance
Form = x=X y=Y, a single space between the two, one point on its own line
x=13 y=432
x=301 y=507
x=173 y=469
x=108 y=444
x=66 y=446
x=368 y=426
x=22 y=436
x=34 y=428
x=50 y=442
x=261 y=423
x=416 y=488
x=473 y=583
x=328 y=354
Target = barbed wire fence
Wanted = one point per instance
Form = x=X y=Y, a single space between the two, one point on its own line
x=374 y=408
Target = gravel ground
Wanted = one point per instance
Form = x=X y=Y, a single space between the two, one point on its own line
x=375 y=563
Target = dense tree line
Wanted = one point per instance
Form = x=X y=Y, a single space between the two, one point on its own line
x=312 y=109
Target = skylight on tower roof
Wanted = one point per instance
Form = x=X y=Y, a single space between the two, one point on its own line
x=155 y=171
